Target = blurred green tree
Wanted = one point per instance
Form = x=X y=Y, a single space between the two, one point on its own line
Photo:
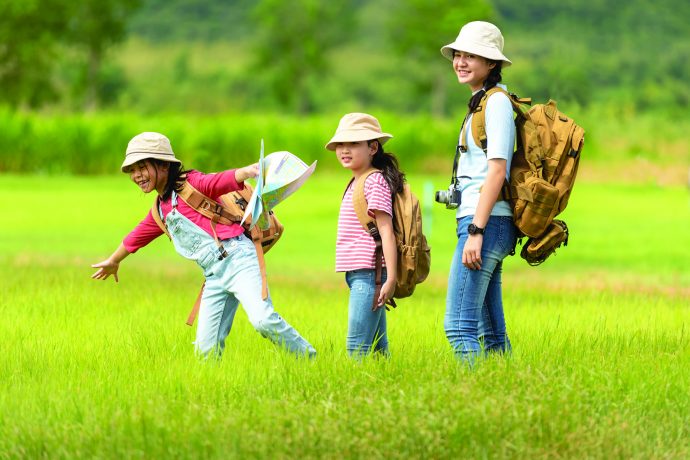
x=628 y=52
x=417 y=29
x=192 y=20
x=94 y=26
x=36 y=35
x=292 y=42
x=28 y=49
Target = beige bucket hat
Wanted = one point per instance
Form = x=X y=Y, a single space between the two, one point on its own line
x=148 y=145
x=481 y=38
x=355 y=127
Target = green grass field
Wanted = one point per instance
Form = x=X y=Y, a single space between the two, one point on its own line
x=91 y=369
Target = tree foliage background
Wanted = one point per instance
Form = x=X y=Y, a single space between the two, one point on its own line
x=310 y=56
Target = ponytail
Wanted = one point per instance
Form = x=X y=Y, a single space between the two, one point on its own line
x=388 y=164
x=492 y=80
x=176 y=177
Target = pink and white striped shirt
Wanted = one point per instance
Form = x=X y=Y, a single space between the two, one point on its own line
x=354 y=247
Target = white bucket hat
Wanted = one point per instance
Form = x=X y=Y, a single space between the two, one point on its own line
x=481 y=38
x=355 y=127
x=148 y=145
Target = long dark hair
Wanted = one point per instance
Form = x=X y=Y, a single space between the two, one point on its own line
x=388 y=165
x=492 y=80
x=176 y=177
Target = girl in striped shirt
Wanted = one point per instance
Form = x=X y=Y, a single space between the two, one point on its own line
x=358 y=143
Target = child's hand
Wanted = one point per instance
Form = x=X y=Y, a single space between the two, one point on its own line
x=248 y=172
x=106 y=268
x=387 y=291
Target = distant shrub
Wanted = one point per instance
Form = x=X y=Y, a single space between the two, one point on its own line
x=95 y=143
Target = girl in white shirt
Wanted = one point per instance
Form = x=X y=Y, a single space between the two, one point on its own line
x=486 y=233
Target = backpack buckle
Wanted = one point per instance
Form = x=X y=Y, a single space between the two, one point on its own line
x=241 y=202
x=217 y=209
x=211 y=206
x=374 y=231
x=206 y=205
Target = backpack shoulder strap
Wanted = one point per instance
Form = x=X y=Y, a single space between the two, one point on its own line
x=479 y=118
x=479 y=128
x=359 y=201
x=155 y=212
x=206 y=206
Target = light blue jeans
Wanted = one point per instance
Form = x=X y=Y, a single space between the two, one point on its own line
x=366 y=329
x=474 y=304
x=231 y=280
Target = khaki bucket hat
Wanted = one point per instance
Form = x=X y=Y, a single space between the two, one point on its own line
x=481 y=38
x=148 y=145
x=355 y=127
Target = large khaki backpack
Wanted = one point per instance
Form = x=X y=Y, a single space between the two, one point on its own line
x=414 y=254
x=542 y=173
x=229 y=211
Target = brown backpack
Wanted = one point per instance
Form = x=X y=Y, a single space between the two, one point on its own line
x=414 y=254
x=542 y=172
x=229 y=211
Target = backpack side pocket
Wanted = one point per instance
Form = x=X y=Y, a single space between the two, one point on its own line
x=537 y=250
x=536 y=201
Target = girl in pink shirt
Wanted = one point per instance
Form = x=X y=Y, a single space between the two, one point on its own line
x=358 y=143
x=230 y=266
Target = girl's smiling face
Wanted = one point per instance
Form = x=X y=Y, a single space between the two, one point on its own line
x=149 y=175
x=356 y=156
x=472 y=70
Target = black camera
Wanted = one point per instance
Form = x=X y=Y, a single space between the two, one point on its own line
x=450 y=197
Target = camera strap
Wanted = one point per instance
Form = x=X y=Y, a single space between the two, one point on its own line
x=459 y=150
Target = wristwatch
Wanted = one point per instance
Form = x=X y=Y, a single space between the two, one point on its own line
x=474 y=230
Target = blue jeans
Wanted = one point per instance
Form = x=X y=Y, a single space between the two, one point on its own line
x=366 y=329
x=474 y=305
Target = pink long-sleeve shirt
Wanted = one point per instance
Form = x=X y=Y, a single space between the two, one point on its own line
x=211 y=185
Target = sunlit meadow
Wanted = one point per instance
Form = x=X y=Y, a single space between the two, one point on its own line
x=600 y=367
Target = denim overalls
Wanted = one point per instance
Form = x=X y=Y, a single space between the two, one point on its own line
x=230 y=280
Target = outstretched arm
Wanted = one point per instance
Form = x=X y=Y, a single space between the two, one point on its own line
x=248 y=172
x=110 y=265
x=217 y=184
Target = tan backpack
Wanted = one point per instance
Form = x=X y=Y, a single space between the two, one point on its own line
x=542 y=172
x=414 y=254
x=229 y=211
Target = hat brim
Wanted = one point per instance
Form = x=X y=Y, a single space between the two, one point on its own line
x=357 y=136
x=133 y=157
x=474 y=48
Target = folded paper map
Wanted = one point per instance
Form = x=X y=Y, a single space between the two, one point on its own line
x=280 y=175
